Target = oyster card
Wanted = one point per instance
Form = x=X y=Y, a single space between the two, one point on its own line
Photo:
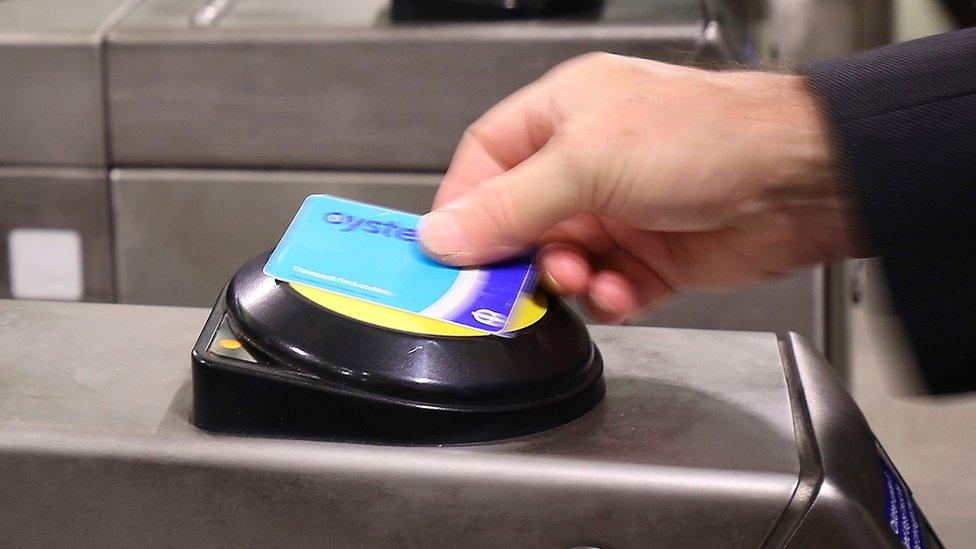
x=371 y=253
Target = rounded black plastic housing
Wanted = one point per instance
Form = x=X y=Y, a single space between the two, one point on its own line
x=321 y=374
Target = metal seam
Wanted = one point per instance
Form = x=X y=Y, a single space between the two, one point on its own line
x=811 y=475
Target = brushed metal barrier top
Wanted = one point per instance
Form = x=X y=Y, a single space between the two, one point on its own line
x=694 y=444
x=339 y=85
x=51 y=100
x=181 y=82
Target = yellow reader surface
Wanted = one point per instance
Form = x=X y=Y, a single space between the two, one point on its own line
x=526 y=313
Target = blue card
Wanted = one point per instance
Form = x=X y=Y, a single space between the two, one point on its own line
x=371 y=253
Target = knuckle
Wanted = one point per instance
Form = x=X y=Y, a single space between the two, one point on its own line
x=477 y=135
x=583 y=63
x=475 y=131
x=594 y=58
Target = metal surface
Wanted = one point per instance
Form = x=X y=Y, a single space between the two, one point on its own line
x=694 y=445
x=791 y=304
x=212 y=222
x=311 y=84
x=51 y=101
x=802 y=31
x=848 y=502
x=60 y=198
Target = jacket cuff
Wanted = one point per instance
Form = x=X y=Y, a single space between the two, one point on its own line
x=903 y=128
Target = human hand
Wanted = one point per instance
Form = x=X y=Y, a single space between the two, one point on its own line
x=641 y=179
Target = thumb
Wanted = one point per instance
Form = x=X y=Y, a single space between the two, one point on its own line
x=503 y=215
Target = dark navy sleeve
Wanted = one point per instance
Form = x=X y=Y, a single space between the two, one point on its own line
x=903 y=123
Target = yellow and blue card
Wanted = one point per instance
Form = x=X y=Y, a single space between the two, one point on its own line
x=371 y=253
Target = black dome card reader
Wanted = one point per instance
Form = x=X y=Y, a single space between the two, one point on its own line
x=282 y=359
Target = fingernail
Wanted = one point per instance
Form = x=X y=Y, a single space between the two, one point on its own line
x=549 y=282
x=440 y=234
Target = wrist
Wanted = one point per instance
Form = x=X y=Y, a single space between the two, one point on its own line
x=799 y=167
x=802 y=178
x=797 y=174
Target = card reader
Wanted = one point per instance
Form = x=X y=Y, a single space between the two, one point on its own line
x=283 y=359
